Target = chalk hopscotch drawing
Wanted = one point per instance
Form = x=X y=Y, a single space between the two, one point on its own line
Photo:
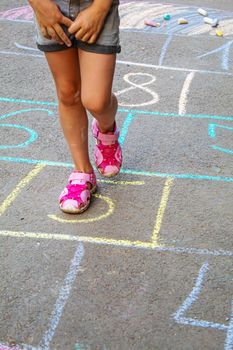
x=141 y=86
x=179 y=315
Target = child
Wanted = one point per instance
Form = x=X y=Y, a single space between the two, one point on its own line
x=80 y=39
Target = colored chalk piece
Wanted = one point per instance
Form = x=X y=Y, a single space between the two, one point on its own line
x=182 y=21
x=167 y=17
x=212 y=21
x=202 y=12
x=151 y=23
x=219 y=33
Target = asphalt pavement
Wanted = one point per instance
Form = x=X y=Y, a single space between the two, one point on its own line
x=149 y=265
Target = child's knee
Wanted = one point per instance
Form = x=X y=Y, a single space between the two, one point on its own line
x=69 y=94
x=96 y=105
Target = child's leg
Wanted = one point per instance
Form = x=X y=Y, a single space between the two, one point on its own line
x=64 y=66
x=97 y=71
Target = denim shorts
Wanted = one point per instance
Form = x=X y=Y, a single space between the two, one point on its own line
x=108 y=41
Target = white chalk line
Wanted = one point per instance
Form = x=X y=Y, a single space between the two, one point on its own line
x=62 y=298
x=136 y=64
x=229 y=338
x=191 y=299
x=184 y=93
x=23 y=47
x=141 y=86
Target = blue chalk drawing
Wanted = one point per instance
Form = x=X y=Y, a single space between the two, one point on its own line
x=179 y=315
x=212 y=134
x=131 y=114
x=225 y=49
x=23 y=111
x=125 y=128
x=164 y=49
x=32 y=134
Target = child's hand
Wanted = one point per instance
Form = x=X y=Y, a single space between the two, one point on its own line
x=50 y=19
x=88 y=24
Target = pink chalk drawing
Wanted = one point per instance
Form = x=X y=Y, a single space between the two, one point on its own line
x=18 y=13
x=5 y=347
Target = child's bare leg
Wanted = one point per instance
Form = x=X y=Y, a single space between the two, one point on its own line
x=64 y=66
x=97 y=71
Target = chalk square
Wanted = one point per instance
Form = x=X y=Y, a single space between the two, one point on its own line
x=171 y=144
x=106 y=218
x=199 y=215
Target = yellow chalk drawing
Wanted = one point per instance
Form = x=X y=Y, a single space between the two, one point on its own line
x=25 y=181
x=85 y=239
x=97 y=218
x=95 y=240
x=134 y=183
x=161 y=210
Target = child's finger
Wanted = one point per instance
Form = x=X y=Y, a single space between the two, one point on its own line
x=80 y=34
x=52 y=33
x=86 y=37
x=60 y=32
x=44 y=32
x=92 y=39
x=66 y=21
x=74 y=27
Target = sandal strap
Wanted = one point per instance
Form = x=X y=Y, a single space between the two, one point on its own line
x=107 y=138
x=81 y=177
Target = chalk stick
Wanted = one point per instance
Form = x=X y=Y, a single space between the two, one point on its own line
x=212 y=21
x=182 y=21
x=202 y=12
x=151 y=23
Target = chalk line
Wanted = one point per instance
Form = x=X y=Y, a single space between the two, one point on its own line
x=179 y=317
x=193 y=296
x=225 y=54
x=19 y=46
x=25 y=181
x=12 y=53
x=157 y=67
x=229 y=339
x=121 y=110
x=131 y=63
x=164 y=49
x=62 y=298
x=141 y=86
x=125 y=128
x=162 y=207
x=32 y=136
x=116 y=243
x=123 y=171
x=184 y=93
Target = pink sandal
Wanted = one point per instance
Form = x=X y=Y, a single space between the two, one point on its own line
x=108 y=153
x=76 y=196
